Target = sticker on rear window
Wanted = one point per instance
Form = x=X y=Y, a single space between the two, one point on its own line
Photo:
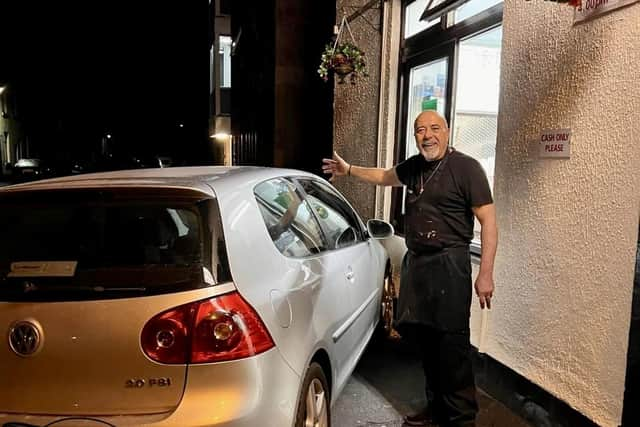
x=43 y=269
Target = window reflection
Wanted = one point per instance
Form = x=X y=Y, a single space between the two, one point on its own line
x=477 y=96
x=412 y=23
x=288 y=219
x=472 y=8
x=428 y=88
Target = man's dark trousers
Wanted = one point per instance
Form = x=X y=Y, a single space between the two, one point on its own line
x=450 y=385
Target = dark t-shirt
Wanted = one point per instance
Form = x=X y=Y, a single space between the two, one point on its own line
x=454 y=189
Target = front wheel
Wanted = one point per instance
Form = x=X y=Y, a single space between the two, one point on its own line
x=388 y=292
x=313 y=402
x=388 y=304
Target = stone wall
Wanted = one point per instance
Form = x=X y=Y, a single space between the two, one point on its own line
x=356 y=107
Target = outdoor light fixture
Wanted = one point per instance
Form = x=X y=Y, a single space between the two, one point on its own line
x=2 y=88
x=108 y=136
x=219 y=136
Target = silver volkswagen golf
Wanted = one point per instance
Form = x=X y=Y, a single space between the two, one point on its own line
x=183 y=297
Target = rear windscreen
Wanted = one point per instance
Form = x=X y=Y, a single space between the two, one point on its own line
x=102 y=246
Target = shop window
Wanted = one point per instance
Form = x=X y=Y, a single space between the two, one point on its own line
x=476 y=103
x=459 y=78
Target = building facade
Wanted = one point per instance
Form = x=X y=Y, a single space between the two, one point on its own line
x=504 y=74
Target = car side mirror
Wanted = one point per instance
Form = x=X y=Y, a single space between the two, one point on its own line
x=379 y=229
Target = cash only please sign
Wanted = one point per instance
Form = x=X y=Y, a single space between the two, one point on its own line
x=588 y=9
x=555 y=143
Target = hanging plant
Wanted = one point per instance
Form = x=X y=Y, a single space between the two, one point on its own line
x=343 y=59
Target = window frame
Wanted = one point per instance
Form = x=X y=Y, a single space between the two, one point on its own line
x=432 y=29
x=442 y=40
x=440 y=10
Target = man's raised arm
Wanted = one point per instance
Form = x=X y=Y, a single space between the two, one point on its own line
x=378 y=176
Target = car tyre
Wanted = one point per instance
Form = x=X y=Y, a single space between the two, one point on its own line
x=314 y=399
x=388 y=303
x=388 y=306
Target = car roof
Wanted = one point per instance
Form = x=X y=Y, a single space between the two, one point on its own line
x=201 y=178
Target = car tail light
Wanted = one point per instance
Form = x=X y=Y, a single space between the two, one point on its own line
x=165 y=338
x=213 y=330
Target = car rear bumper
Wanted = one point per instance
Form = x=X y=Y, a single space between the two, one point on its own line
x=257 y=391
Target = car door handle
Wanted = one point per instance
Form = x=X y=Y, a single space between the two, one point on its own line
x=350 y=274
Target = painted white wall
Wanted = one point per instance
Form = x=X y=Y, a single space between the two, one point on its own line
x=568 y=228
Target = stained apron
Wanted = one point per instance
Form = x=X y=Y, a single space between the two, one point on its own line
x=435 y=290
x=435 y=287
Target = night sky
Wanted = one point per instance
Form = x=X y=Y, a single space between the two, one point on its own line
x=133 y=69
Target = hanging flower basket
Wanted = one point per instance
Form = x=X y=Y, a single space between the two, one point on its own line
x=344 y=59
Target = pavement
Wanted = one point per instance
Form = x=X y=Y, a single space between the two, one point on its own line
x=388 y=383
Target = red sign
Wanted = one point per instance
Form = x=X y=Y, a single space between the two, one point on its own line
x=591 y=8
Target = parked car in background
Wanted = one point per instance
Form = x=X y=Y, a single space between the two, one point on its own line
x=112 y=162
x=59 y=167
x=204 y=296
x=27 y=170
x=152 y=162
x=164 y=161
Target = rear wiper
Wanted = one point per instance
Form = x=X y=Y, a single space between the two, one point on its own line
x=109 y=289
x=35 y=289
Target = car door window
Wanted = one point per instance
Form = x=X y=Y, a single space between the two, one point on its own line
x=339 y=221
x=288 y=218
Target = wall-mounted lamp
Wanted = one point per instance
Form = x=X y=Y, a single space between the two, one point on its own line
x=2 y=88
x=220 y=136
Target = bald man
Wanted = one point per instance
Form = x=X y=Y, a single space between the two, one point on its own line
x=446 y=189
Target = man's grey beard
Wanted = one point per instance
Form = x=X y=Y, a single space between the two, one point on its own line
x=435 y=157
